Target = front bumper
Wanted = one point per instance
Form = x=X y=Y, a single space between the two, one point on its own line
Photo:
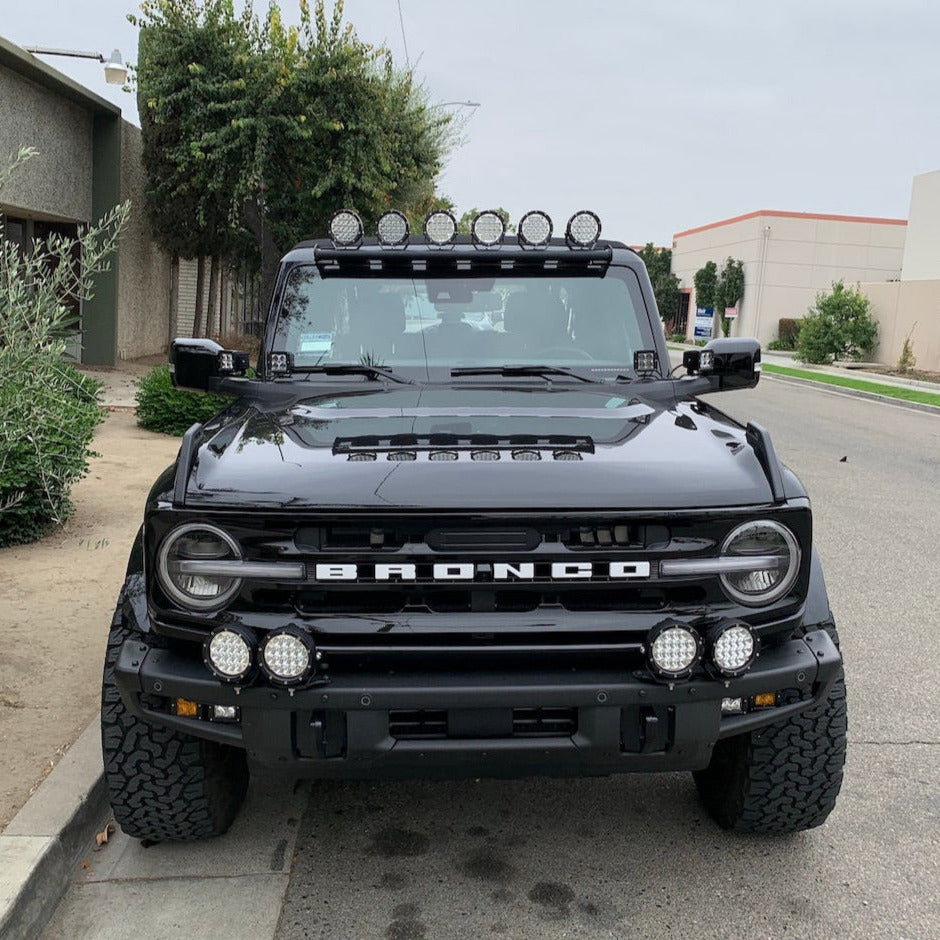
x=341 y=728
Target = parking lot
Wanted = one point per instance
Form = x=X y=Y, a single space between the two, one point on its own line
x=629 y=856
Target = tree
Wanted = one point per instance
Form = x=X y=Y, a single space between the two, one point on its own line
x=706 y=285
x=839 y=326
x=729 y=290
x=658 y=263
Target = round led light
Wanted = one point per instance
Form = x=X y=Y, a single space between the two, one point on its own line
x=229 y=653
x=488 y=228
x=346 y=228
x=197 y=542
x=733 y=649
x=392 y=229
x=535 y=228
x=674 y=651
x=287 y=655
x=440 y=228
x=779 y=553
x=584 y=228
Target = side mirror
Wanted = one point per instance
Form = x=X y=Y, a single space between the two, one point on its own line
x=195 y=363
x=729 y=362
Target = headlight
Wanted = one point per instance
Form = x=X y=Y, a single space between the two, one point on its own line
x=197 y=541
x=776 y=555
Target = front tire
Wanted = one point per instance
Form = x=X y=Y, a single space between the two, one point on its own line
x=781 y=778
x=164 y=786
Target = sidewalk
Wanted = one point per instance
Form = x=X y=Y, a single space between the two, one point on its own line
x=120 y=382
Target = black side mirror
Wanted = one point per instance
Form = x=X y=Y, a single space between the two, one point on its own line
x=195 y=363
x=729 y=362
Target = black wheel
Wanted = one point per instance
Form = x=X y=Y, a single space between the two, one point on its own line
x=782 y=778
x=164 y=786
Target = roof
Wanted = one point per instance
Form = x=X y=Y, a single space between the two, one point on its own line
x=35 y=70
x=780 y=214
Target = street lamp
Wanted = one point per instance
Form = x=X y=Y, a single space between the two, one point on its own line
x=115 y=71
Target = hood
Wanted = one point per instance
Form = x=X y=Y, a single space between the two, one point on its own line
x=634 y=453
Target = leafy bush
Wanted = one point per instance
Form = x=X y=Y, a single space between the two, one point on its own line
x=48 y=410
x=778 y=345
x=169 y=410
x=788 y=332
x=907 y=360
x=839 y=326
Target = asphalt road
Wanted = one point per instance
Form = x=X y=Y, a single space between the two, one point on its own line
x=628 y=856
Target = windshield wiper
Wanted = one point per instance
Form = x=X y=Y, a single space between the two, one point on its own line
x=371 y=372
x=510 y=370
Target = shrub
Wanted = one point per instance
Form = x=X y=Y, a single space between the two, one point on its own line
x=48 y=410
x=839 y=326
x=788 y=332
x=907 y=360
x=776 y=344
x=169 y=410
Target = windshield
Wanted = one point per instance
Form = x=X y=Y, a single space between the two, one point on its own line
x=591 y=324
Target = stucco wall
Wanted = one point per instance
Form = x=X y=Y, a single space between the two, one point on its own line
x=144 y=272
x=922 y=247
x=58 y=182
x=907 y=308
x=788 y=259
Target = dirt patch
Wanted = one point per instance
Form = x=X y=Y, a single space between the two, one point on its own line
x=919 y=375
x=56 y=601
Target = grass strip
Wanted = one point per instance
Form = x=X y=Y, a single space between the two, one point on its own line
x=863 y=385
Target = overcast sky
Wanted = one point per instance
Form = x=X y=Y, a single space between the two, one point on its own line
x=659 y=115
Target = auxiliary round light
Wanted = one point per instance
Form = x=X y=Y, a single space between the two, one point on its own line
x=229 y=652
x=392 y=229
x=346 y=228
x=287 y=655
x=440 y=227
x=584 y=228
x=197 y=542
x=674 y=649
x=488 y=228
x=733 y=649
x=535 y=229
x=774 y=575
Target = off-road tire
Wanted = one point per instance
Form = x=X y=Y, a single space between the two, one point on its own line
x=781 y=778
x=164 y=786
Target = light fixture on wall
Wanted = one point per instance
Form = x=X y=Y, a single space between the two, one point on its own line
x=115 y=71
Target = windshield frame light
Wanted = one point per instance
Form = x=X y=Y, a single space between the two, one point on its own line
x=786 y=582
x=176 y=594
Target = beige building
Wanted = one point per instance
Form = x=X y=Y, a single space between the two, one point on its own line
x=788 y=258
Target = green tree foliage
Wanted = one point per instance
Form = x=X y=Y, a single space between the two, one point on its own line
x=658 y=263
x=729 y=290
x=706 y=285
x=48 y=409
x=839 y=326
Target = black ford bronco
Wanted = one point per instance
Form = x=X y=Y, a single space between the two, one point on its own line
x=463 y=519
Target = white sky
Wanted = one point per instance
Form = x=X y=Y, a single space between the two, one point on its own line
x=660 y=115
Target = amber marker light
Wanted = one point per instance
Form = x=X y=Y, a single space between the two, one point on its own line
x=186 y=709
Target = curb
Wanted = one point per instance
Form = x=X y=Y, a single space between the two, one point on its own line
x=854 y=393
x=47 y=837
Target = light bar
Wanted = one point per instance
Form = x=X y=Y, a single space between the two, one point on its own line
x=231 y=362
x=535 y=229
x=345 y=229
x=645 y=361
x=440 y=228
x=488 y=228
x=392 y=229
x=584 y=229
x=280 y=363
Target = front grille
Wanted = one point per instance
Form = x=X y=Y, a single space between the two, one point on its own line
x=417 y=723
x=425 y=723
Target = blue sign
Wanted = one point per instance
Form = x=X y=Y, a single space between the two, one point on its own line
x=704 y=319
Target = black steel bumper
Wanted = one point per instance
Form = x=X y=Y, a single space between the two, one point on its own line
x=342 y=728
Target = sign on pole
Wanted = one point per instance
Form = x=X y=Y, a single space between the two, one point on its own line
x=704 y=319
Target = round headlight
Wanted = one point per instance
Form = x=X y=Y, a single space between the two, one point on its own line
x=287 y=655
x=229 y=652
x=733 y=649
x=346 y=228
x=488 y=228
x=584 y=228
x=184 y=564
x=535 y=228
x=392 y=229
x=673 y=650
x=776 y=555
x=440 y=228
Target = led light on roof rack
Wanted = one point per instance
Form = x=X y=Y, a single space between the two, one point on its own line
x=488 y=228
x=535 y=229
x=440 y=228
x=346 y=229
x=392 y=229
x=584 y=229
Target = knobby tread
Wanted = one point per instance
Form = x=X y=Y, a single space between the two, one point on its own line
x=163 y=785
x=782 y=778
